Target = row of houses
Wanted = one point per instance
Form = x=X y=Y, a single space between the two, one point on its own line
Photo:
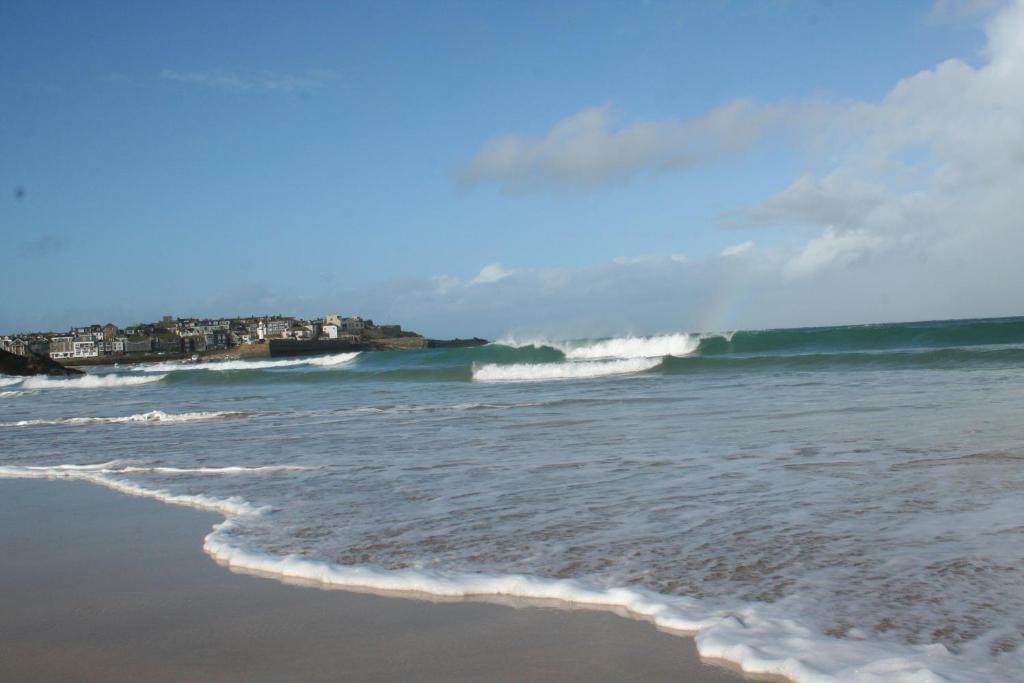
x=190 y=335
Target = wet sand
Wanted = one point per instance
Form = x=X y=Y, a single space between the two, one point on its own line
x=98 y=586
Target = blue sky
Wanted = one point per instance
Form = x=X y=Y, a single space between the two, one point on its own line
x=222 y=158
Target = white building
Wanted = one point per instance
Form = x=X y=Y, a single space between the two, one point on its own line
x=62 y=347
x=85 y=348
x=352 y=325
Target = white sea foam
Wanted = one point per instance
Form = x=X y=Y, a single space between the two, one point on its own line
x=658 y=346
x=89 y=381
x=322 y=361
x=680 y=344
x=152 y=417
x=157 y=469
x=99 y=474
x=432 y=408
x=336 y=359
x=10 y=381
x=524 y=372
x=753 y=637
x=11 y=394
x=758 y=638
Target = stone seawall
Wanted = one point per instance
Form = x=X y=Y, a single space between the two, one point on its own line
x=242 y=352
x=307 y=347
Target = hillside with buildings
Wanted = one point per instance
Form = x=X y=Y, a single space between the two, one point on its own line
x=249 y=336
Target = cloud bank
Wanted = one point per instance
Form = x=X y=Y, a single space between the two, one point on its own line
x=911 y=211
x=915 y=214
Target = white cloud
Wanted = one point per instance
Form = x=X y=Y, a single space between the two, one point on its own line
x=932 y=172
x=910 y=210
x=836 y=199
x=650 y=260
x=832 y=249
x=914 y=200
x=491 y=273
x=738 y=249
x=951 y=10
x=242 y=81
x=586 y=151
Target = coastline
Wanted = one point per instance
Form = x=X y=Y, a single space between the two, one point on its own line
x=279 y=348
x=103 y=586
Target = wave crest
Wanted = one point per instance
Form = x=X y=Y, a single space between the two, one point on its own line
x=658 y=346
x=525 y=372
x=680 y=344
x=89 y=381
x=224 y=365
x=152 y=417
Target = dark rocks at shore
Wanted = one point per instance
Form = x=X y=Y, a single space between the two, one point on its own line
x=455 y=343
x=13 y=364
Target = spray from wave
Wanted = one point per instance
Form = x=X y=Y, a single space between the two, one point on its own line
x=152 y=417
x=658 y=346
x=321 y=361
x=681 y=344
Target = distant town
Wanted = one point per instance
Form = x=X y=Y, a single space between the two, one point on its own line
x=185 y=336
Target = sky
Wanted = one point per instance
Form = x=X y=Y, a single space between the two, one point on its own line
x=512 y=169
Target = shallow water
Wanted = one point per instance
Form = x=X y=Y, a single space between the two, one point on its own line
x=834 y=504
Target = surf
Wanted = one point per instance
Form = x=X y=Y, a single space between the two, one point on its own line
x=756 y=637
x=526 y=372
x=226 y=365
x=97 y=381
x=152 y=417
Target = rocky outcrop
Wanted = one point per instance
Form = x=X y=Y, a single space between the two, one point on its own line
x=406 y=343
x=455 y=343
x=13 y=364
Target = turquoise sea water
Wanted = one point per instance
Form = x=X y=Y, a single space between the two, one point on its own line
x=836 y=503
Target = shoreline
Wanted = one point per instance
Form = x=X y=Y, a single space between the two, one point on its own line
x=284 y=350
x=100 y=544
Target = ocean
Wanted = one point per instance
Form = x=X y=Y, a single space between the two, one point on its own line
x=833 y=504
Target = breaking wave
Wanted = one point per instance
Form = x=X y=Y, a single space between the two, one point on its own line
x=586 y=359
x=88 y=381
x=524 y=372
x=322 y=361
x=678 y=344
x=637 y=347
x=152 y=417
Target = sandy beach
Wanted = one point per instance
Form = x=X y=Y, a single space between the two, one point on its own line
x=98 y=586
